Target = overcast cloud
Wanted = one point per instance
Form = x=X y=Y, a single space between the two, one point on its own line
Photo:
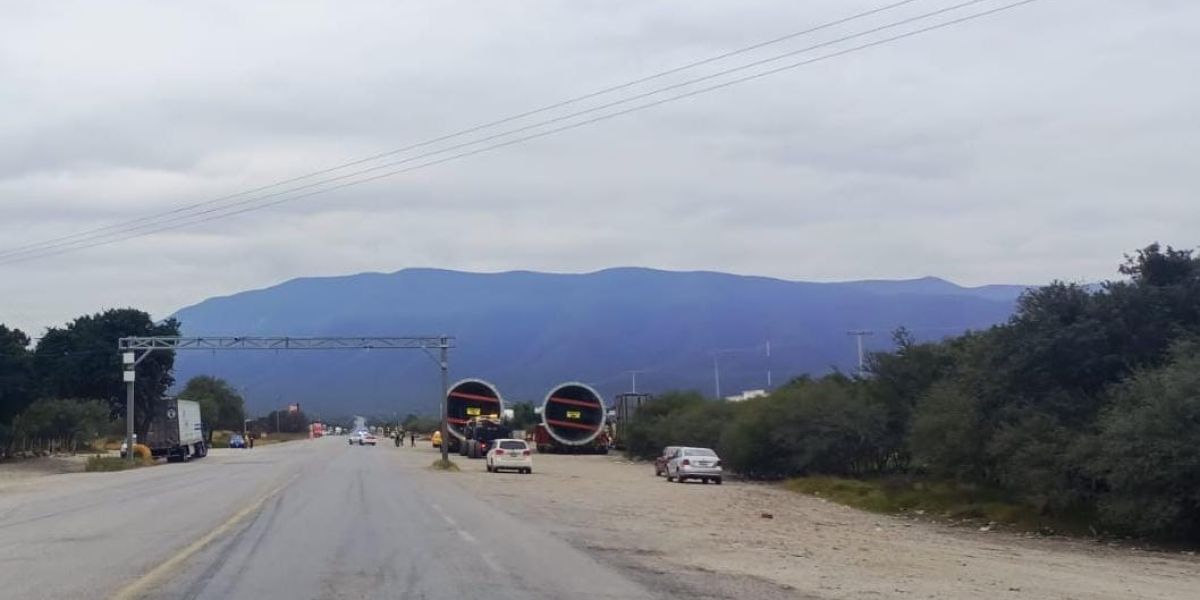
x=1041 y=143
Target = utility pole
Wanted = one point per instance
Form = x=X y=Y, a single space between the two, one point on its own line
x=633 y=383
x=717 y=374
x=444 y=363
x=858 y=334
x=768 y=364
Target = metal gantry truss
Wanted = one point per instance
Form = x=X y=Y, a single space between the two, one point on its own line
x=136 y=349
x=429 y=342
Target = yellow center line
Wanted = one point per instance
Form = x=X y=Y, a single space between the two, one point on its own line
x=169 y=566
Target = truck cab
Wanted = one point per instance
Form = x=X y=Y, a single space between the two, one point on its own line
x=480 y=432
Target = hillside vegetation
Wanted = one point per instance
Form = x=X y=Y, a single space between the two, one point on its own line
x=1084 y=405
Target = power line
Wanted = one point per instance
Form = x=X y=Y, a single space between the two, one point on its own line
x=194 y=221
x=462 y=132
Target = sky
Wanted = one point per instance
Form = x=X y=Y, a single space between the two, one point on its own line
x=1036 y=144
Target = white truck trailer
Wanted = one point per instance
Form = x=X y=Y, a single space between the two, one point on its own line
x=176 y=431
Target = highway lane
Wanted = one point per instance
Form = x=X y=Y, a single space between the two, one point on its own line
x=300 y=520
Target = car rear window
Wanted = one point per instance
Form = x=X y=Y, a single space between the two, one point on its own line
x=699 y=452
x=512 y=445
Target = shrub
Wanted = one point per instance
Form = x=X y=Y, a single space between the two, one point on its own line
x=1147 y=451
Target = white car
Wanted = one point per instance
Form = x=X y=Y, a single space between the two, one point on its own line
x=695 y=463
x=510 y=454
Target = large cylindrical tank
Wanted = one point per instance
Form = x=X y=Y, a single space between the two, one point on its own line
x=573 y=414
x=471 y=398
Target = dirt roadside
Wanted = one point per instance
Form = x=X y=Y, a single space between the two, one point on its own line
x=808 y=547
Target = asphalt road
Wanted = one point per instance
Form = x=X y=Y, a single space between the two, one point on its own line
x=310 y=519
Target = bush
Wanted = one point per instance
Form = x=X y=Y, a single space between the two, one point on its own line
x=100 y=464
x=825 y=426
x=947 y=436
x=64 y=422
x=1147 y=451
x=674 y=419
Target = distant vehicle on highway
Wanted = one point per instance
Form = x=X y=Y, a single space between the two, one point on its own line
x=363 y=438
x=694 y=463
x=510 y=454
x=237 y=441
x=660 y=461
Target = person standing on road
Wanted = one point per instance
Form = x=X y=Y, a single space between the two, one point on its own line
x=412 y=439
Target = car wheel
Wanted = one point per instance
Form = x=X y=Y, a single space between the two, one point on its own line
x=490 y=469
x=679 y=479
x=529 y=471
x=670 y=477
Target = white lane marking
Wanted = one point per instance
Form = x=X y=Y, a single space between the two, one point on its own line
x=487 y=557
x=491 y=562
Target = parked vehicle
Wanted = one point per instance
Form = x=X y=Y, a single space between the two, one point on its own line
x=511 y=454
x=694 y=463
x=237 y=441
x=660 y=462
x=176 y=431
x=367 y=439
x=355 y=437
x=480 y=435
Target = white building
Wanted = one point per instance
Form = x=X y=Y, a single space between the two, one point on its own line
x=746 y=395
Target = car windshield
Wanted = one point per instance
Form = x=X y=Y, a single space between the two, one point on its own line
x=512 y=445
x=699 y=452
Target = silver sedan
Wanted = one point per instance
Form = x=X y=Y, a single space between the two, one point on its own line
x=695 y=463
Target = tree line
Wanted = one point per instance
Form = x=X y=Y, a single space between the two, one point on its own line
x=1085 y=403
x=66 y=389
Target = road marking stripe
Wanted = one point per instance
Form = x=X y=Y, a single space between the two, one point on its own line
x=139 y=586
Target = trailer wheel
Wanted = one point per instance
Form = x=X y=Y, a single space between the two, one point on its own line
x=529 y=471
x=670 y=477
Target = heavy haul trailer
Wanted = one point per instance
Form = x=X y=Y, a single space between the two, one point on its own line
x=573 y=421
x=466 y=400
x=176 y=431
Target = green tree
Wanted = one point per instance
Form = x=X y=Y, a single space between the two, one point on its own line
x=221 y=407
x=524 y=416
x=81 y=360
x=16 y=374
x=1147 y=450
x=69 y=423
x=823 y=426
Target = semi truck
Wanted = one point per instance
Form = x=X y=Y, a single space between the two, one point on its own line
x=466 y=400
x=480 y=432
x=176 y=431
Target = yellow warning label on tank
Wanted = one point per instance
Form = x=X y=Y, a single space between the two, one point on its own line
x=474 y=411
x=574 y=414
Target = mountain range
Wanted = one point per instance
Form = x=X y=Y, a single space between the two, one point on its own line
x=527 y=331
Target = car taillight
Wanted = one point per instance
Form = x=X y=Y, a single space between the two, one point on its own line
x=526 y=453
x=685 y=462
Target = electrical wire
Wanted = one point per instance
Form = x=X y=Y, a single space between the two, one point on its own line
x=604 y=117
x=158 y=226
x=462 y=132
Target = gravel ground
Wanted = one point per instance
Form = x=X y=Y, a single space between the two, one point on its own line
x=719 y=542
